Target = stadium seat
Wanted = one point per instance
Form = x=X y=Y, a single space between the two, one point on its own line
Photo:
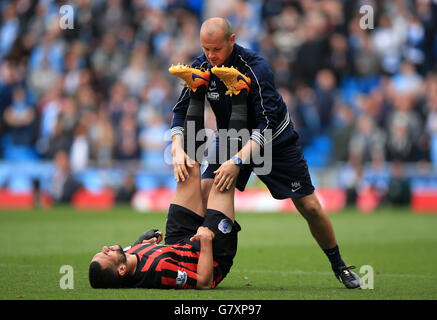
x=20 y=183
x=91 y=180
x=318 y=152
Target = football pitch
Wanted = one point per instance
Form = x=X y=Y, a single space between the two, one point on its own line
x=277 y=257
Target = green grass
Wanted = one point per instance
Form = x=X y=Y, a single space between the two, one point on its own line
x=277 y=257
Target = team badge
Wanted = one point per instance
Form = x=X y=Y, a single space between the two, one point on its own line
x=225 y=226
x=181 y=279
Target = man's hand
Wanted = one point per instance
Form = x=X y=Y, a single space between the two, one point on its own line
x=203 y=234
x=180 y=159
x=226 y=175
x=156 y=240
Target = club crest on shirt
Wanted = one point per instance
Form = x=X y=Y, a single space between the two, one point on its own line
x=181 y=279
x=225 y=226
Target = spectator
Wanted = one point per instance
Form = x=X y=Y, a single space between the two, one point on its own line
x=398 y=191
x=404 y=127
x=127 y=147
x=9 y=29
x=20 y=118
x=102 y=140
x=126 y=191
x=325 y=95
x=306 y=114
x=340 y=59
x=60 y=140
x=343 y=128
x=79 y=153
x=407 y=80
x=107 y=60
x=152 y=143
x=63 y=184
x=388 y=39
x=135 y=76
x=49 y=108
x=367 y=141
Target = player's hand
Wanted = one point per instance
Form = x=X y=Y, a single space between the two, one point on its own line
x=156 y=240
x=180 y=160
x=226 y=175
x=203 y=233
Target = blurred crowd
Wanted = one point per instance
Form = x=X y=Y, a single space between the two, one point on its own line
x=101 y=91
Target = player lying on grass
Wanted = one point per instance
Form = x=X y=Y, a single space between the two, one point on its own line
x=200 y=244
x=198 y=250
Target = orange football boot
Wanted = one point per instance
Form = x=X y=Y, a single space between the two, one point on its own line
x=233 y=79
x=193 y=77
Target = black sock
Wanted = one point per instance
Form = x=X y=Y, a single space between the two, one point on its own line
x=334 y=257
x=238 y=121
x=194 y=123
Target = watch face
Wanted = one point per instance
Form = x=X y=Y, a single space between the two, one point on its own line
x=237 y=160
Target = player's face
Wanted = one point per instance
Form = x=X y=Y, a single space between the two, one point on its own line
x=112 y=255
x=216 y=47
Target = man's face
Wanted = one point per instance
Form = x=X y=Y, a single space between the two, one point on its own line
x=110 y=256
x=216 y=47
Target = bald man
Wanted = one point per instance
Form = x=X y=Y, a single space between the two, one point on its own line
x=240 y=88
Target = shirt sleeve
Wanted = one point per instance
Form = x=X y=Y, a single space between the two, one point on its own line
x=176 y=276
x=264 y=101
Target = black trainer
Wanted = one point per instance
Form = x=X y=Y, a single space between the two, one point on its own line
x=349 y=278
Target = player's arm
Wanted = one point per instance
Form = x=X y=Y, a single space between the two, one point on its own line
x=205 y=266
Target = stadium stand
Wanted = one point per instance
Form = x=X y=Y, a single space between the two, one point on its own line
x=362 y=100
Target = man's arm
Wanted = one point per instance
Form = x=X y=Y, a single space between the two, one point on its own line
x=227 y=173
x=180 y=159
x=205 y=266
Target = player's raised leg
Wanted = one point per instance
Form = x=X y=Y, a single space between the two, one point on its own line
x=188 y=192
x=197 y=82
x=238 y=86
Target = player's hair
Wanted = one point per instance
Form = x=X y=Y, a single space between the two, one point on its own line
x=227 y=28
x=224 y=25
x=103 y=278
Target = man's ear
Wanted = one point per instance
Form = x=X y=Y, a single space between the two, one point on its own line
x=122 y=269
x=232 y=39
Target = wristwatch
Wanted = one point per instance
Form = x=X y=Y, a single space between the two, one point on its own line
x=237 y=161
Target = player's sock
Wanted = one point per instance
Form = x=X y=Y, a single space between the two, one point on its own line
x=238 y=119
x=334 y=257
x=222 y=222
x=194 y=123
x=236 y=138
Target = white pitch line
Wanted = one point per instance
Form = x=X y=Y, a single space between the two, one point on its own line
x=309 y=273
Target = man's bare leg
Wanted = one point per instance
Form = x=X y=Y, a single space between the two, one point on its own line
x=319 y=223
x=188 y=193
